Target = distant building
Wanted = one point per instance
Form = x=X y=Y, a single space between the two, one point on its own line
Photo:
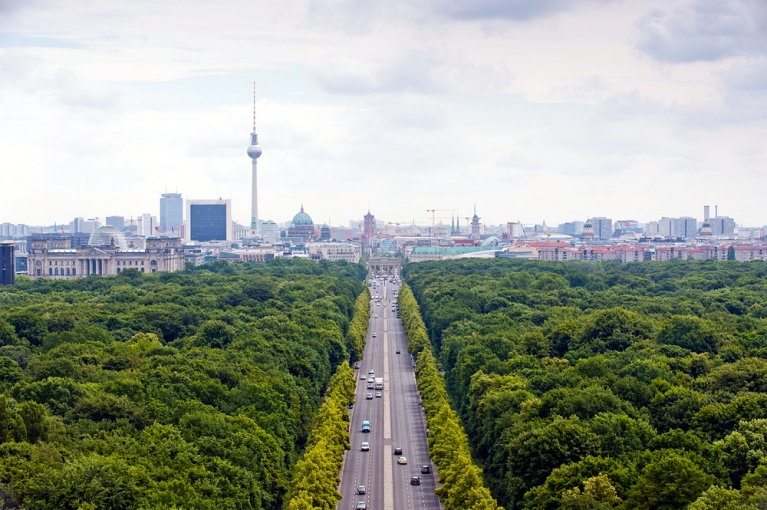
x=722 y=226
x=7 y=264
x=269 y=230
x=369 y=228
x=603 y=227
x=475 y=229
x=106 y=253
x=335 y=251
x=117 y=222
x=82 y=225
x=570 y=228
x=171 y=214
x=147 y=225
x=209 y=220
x=588 y=230
x=302 y=226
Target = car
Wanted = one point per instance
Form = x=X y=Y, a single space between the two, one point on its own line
x=363 y=377
x=366 y=426
x=374 y=335
x=361 y=506
x=371 y=385
x=351 y=406
x=398 y=451
x=371 y=371
x=361 y=489
x=402 y=460
x=357 y=366
x=398 y=316
x=415 y=480
x=365 y=447
x=376 y=316
x=425 y=469
x=378 y=394
x=397 y=351
x=369 y=396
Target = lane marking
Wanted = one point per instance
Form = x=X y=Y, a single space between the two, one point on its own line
x=388 y=479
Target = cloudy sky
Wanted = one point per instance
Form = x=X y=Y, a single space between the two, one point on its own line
x=531 y=109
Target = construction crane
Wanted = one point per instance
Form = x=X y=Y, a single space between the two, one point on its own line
x=432 y=211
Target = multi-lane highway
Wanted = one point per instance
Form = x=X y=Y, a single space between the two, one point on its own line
x=396 y=421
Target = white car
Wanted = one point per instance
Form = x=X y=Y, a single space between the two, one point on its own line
x=378 y=394
x=374 y=335
x=365 y=447
x=369 y=396
x=363 y=377
x=402 y=460
x=371 y=371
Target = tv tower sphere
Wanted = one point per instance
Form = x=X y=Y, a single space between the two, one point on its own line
x=254 y=151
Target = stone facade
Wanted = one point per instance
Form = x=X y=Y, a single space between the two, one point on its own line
x=53 y=258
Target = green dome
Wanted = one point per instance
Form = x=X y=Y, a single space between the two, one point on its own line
x=302 y=218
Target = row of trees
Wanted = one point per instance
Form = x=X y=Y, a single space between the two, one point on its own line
x=600 y=385
x=315 y=476
x=194 y=389
x=462 y=486
x=358 y=328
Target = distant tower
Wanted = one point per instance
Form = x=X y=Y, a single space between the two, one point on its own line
x=475 y=224
x=254 y=151
x=369 y=228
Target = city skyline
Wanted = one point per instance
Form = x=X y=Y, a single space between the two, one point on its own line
x=543 y=110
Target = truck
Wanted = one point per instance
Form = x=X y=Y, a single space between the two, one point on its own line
x=379 y=383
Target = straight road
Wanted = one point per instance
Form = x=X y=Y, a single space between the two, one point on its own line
x=396 y=420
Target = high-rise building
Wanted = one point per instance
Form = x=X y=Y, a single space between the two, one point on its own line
x=722 y=226
x=146 y=225
x=254 y=151
x=117 y=222
x=603 y=227
x=7 y=264
x=209 y=220
x=85 y=226
x=171 y=214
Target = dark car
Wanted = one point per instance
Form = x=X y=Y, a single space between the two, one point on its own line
x=415 y=480
x=398 y=451
x=425 y=469
x=397 y=351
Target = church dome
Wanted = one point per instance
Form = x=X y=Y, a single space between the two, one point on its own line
x=302 y=218
x=103 y=236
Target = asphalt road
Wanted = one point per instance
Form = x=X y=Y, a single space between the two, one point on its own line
x=396 y=420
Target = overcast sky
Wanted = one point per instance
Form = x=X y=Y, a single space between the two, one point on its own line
x=531 y=109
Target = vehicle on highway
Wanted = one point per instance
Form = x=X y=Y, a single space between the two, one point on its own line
x=371 y=371
x=425 y=469
x=369 y=396
x=361 y=506
x=415 y=480
x=376 y=316
x=363 y=377
x=378 y=394
x=371 y=385
x=397 y=351
x=365 y=426
x=357 y=366
x=379 y=383
x=398 y=451
x=402 y=460
x=361 y=489
x=365 y=447
x=374 y=335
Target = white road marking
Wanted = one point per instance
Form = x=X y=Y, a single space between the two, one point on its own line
x=388 y=479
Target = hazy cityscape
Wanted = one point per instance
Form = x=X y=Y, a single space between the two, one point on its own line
x=355 y=255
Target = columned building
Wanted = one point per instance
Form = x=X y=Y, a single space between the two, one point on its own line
x=302 y=226
x=105 y=254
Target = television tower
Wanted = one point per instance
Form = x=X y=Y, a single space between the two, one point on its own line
x=254 y=151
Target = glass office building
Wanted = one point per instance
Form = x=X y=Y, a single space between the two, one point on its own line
x=171 y=214
x=209 y=220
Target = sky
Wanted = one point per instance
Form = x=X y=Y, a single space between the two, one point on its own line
x=532 y=110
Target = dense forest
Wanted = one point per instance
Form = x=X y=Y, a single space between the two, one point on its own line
x=194 y=389
x=600 y=385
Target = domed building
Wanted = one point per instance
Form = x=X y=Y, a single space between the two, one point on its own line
x=108 y=236
x=302 y=226
x=588 y=230
x=706 y=230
